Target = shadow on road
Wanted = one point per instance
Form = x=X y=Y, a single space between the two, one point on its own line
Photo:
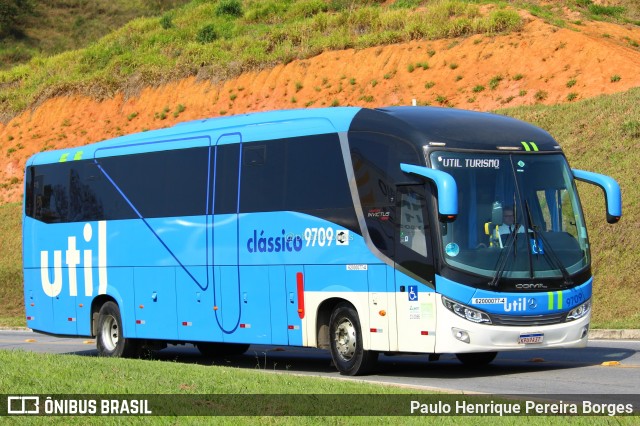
x=309 y=360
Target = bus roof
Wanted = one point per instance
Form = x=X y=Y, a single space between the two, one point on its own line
x=253 y=127
x=463 y=129
x=455 y=128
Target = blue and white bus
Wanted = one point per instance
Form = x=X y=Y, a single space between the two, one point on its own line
x=355 y=230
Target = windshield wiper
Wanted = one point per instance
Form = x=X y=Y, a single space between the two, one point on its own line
x=546 y=250
x=501 y=265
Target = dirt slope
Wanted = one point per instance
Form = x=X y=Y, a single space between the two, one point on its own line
x=541 y=64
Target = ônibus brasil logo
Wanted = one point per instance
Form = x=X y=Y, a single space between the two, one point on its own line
x=73 y=260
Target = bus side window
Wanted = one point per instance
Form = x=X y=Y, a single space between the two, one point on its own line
x=226 y=190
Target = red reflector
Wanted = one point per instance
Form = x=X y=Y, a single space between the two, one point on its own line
x=29 y=318
x=139 y=322
x=300 y=288
x=71 y=319
x=186 y=323
x=290 y=327
x=374 y=330
x=424 y=333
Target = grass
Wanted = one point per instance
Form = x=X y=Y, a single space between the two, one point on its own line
x=63 y=25
x=148 y=51
x=95 y=377
x=11 y=309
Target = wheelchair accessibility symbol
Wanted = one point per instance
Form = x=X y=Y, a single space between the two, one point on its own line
x=413 y=293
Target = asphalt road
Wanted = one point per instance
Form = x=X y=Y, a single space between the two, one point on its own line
x=607 y=368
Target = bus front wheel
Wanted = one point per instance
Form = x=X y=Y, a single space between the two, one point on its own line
x=477 y=359
x=110 y=341
x=346 y=342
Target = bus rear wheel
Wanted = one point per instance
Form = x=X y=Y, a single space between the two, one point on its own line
x=345 y=335
x=109 y=340
x=212 y=350
x=477 y=359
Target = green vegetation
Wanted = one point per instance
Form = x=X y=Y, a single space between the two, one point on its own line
x=622 y=12
x=40 y=28
x=541 y=95
x=11 y=309
x=223 y=39
x=601 y=135
x=495 y=81
x=63 y=374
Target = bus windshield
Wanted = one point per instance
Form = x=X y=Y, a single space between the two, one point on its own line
x=519 y=217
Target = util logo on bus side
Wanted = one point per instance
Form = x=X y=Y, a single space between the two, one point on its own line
x=73 y=261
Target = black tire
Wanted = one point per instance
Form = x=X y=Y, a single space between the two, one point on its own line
x=345 y=335
x=212 y=350
x=109 y=339
x=478 y=359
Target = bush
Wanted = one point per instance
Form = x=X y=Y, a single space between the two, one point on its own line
x=307 y=8
x=11 y=14
x=229 y=7
x=207 y=34
x=166 y=22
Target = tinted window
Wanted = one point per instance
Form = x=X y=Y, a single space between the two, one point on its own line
x=304 y=174
x=226 y=181
x=72 y=192
x=162 y=184
x=376 y=159
x=298 y=174
x=413 y=250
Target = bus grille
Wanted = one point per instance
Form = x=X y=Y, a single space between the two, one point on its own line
x=528 y=320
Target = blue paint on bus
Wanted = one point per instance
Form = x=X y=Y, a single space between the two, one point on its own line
x=350 y=229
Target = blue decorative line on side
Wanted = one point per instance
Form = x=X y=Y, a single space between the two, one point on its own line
x=148 y=225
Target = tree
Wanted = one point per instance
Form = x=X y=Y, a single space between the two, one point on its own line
x=12 y=14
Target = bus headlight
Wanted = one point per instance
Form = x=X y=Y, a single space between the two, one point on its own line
x=579 y=311
x=466 y=312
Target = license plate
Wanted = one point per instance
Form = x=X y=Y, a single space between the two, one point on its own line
x=530 y=338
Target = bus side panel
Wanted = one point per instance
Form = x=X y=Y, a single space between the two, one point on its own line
x=279 y=302
x=255 y=318
x=64 y=314
x=38 y=306
x=196 y=320
x=416 y=315
x=378 y=307
x=83 y=305
x=155 y=302
x=225 y=239
x=228 y=303
x=295 y=320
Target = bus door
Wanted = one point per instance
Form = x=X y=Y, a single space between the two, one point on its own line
x=223 y=239
x=414 y=271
